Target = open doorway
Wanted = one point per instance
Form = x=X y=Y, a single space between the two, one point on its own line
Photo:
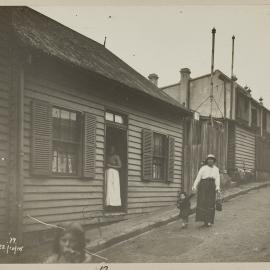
x=116 y=137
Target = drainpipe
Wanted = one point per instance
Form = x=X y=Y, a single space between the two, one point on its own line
x=231 y=99
x=20 y=153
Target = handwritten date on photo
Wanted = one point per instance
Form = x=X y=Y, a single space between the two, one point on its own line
x=10 y=247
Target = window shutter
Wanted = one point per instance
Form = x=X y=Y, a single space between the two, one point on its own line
x=89 y=146
x=147 y=154
x=41 y=148
x=171 y=151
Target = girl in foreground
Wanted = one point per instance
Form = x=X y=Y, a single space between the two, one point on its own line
x=69 y=246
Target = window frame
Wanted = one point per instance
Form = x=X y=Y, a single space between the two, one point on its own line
x=78 y=144
x=115 y=113
x=163 y=157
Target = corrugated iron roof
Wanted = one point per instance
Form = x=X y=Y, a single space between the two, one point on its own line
x=37 y=30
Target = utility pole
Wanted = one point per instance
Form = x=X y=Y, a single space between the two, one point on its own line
x=212 y=71
x=232 y=77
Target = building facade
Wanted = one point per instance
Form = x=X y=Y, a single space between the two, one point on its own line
x=65 y=100
x=245 y=121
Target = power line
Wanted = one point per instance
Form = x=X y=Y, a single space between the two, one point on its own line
x=220 y=95
x=202 y=103
x=219 y=99
x=218 y=108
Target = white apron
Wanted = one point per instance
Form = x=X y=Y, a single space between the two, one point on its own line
x=113 y=197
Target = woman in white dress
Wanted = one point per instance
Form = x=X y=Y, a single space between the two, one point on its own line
x=114 y=164
x=208 y=183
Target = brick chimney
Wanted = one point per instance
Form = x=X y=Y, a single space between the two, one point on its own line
x=184 y=86
x=153 y=78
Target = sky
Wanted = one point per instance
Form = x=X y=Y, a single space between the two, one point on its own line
x=164 y=39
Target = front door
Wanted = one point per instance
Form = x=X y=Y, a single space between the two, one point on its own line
x=115 y=187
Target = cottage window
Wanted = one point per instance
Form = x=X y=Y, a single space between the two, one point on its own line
x=63 y=142
x=66 y=141
x=159 y=157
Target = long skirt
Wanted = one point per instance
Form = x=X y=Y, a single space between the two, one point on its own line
x=113 y=197
x=206 y=198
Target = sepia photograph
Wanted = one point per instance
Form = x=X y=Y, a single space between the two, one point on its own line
x=134 y=133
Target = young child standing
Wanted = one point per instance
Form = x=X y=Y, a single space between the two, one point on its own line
x=183 y=203
x=69 y=246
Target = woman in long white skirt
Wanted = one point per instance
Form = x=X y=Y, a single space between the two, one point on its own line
x=114 y=164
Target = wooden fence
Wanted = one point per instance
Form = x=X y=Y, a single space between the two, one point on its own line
x=262 y=155
x=201 y=139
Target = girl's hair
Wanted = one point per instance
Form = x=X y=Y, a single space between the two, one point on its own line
x=76 y=230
